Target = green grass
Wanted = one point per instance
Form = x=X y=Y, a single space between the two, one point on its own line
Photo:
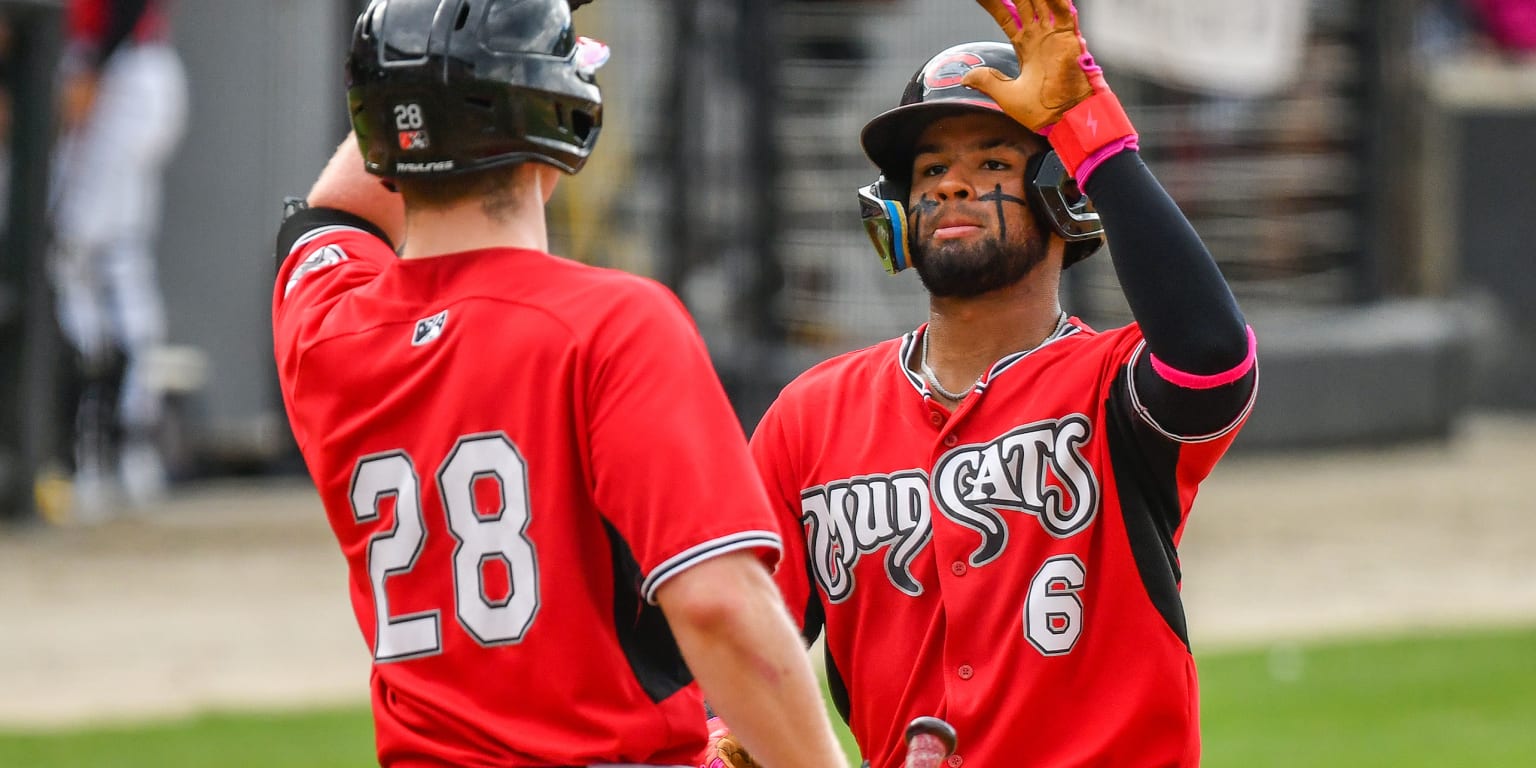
x=330 y=739
x=1462 y=700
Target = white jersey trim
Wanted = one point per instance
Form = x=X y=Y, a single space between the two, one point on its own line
x=318 y=232
x=1008 y=361
x=904 y=353
x=1141 y=410
x=322 y=258
x=910 y=340
x=698 y=553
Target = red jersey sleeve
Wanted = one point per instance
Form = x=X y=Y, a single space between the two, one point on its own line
x=322 y=256
x=770 y=449
x=670 y=466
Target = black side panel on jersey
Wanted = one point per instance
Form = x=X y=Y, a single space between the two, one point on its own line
x=642 y=629
x=311 y=219
x=837 y=687
x=1145 y=467
x=815 y=615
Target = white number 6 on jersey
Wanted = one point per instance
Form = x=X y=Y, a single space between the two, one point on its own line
x=1053 y=613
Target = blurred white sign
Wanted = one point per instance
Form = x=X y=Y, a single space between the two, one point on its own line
x=1236 y=47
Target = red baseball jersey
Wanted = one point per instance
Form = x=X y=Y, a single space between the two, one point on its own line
x=514 y=451
x=1009 y=567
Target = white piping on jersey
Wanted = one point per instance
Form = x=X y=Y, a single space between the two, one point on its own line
x=700 y=552
x=1063 y=329
x=908 y=343
x=910 y=340
x=1141 y=410
x=310 y=236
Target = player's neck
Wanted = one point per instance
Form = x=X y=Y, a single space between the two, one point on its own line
x=466 y=227
x=966 y=336
x=511 y=218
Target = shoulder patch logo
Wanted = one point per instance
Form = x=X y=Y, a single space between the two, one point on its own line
x=328 y=256
x=428 y=329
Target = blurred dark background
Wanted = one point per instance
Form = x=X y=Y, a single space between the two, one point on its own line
x=1360 y=169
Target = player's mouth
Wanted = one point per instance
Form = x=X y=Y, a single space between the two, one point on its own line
x=953 y=227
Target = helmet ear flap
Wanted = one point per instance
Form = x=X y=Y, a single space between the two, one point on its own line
x=883 y=209
x=1060 y=204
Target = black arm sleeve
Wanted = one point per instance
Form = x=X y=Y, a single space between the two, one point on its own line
x=122 y=17
x=1178 y=296
x=310 y=219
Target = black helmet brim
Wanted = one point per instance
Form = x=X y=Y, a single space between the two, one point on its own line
x=890 y=138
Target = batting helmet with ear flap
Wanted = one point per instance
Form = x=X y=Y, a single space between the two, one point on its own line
x=890 y=140
x=438 y=87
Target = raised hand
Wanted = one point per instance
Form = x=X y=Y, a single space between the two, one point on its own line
x=1060 y=92
x=1055 y=71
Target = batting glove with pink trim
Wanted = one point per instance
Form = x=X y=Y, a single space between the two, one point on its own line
x=1060 y=92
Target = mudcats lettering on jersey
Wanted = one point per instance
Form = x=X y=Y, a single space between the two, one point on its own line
x=1037 y=469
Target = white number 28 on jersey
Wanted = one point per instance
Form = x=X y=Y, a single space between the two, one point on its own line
x=499 y=536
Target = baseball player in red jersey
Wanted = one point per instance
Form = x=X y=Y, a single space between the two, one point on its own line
x=550 y=518
x=988 y=509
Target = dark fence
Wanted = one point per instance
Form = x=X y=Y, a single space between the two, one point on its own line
x=29 y=42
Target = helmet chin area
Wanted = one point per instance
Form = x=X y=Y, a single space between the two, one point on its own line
x=885 y=221
x=1057 y=200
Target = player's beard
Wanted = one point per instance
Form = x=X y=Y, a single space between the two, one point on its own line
x=961 y=270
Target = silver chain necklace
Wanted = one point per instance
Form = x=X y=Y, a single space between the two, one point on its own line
x=933 y=378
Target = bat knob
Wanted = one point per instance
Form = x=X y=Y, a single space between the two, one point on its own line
x=928 y=730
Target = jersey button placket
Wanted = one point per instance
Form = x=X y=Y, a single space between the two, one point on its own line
x=957 y=568
x=965 y=672
x=955 y=761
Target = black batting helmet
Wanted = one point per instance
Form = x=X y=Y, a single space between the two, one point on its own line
x=437 y=87
x=890 y=141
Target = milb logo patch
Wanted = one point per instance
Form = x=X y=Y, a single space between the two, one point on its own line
x=410 y=140
x=429 y=329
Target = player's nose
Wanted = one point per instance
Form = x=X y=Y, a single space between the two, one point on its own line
x=953 y=187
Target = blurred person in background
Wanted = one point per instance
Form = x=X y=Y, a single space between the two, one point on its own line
x=123 y=110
